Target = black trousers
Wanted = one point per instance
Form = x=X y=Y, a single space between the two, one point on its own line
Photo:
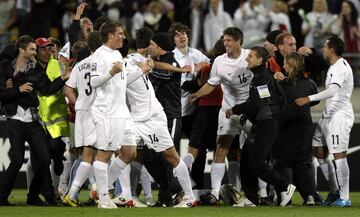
x=19 y=133
x=300 y=172
x=57 y=149
x=202 y=137
x=255 y=154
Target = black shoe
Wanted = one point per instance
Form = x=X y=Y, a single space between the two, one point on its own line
x=51 y=202
x=161 y=204
x=89 y=202
x=319 y=200
x=266 y=201
x=209 y=200
x=5 y=202
x=35 y=201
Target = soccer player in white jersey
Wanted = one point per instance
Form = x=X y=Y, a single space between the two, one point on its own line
x=114 y=127
x=230 y=70
x=85 y=133
x=150 y=119
x=333 y=129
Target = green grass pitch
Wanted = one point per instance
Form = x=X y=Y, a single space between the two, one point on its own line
x=19 y=197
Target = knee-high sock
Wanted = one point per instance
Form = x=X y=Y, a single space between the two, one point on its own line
x=135 y=177
x=55 y=178
x=315 y=165
x=234 y=174
x=29 y=174
x=182 y=173
x=101 y=178
x=262 y=188
x=64 y=177
x=188 y=160
x=92 y=180
x=145 y=179
x=82 y=174
x=73 y=170
x=343 y=177
x=217 y=174
x=114 y=171
x=328 y=169
x=124 y=179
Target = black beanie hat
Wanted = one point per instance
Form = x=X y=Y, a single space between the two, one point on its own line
x=162 y=39
x=272 y=36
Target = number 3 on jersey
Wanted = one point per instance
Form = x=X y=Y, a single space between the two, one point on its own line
x=88 y=91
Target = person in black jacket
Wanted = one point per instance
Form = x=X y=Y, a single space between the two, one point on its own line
x=292 y=148
x=260 y=108
x=22 y=119
x=315 y=64
x=167 y=90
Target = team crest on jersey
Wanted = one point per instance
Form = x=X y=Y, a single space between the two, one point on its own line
x=93 y=66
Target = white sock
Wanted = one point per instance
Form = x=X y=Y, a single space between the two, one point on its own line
x=182 y=173
x=92 y=179
x=55 y=178
x=82 y=174
x=328 y=169
x=217 y=174
x=101 y=178
x=114 y=170
x=234 y=174
x=64 y=177
x=188 y=160
x=315 y=164
x=29 y=174
x=124 y=179
x=145 y=182
x=343 y=177
x=262 y=188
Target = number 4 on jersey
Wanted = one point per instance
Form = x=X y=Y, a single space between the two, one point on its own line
x=153 y=138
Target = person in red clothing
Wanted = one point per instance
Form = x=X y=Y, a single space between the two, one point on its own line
x=203 y=132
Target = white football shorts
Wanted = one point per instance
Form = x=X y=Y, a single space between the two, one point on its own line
x=333 y=132
x=154 y=132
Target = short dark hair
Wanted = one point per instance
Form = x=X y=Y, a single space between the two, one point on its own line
x=143 y=37
x=23 y=41
x=180 y=28
x=219 y=47
x=261 y=52
x=235 y=33
x=94 y=41
x=279 y=40
x=107 y=28
x=79 y=45
x=55 y=41
x=99 y=21
x=337 y=44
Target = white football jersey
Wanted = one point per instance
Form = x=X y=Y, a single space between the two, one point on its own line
x=141 y=95
x=340 y=74
x=234 y=77
x=110 y=98
x=80 y=80
x=192 y=58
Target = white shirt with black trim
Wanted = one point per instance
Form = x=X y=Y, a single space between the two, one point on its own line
x=234 y=77
x=339 y=74
x=80 y=80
